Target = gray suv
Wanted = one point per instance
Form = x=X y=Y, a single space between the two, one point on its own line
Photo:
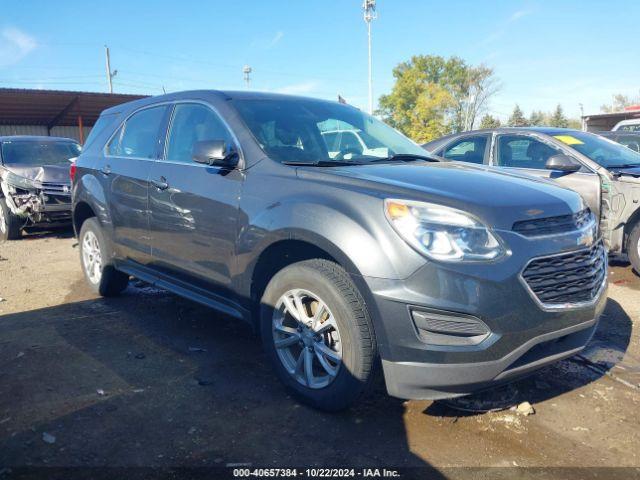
x=451 y=277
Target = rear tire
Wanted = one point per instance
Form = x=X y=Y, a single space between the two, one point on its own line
x=633 y=247
x=10 y=224
x=334 y=334
x=98 y=270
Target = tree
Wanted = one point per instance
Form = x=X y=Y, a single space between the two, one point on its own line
x=489 y=121
x=575 y=123
x=517 y=118
x=620 y=102
x=558 y=119
x=537 y=118
x=481 y=86
x=433 y=96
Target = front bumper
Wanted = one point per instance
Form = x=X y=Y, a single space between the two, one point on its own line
x=522 y=335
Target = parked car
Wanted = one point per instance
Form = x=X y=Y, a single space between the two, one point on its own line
x=352 y=142
x=628 y=139
x=35 y=189
x=457 y=278
x=631 y=125
x=605 y=173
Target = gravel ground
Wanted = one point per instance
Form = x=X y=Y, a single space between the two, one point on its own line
x=151 y=380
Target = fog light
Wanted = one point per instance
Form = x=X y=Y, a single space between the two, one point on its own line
x=440 y=328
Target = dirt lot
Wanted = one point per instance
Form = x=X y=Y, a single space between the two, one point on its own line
x=151 y=380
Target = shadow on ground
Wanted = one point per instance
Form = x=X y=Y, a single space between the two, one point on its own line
x=150 y=379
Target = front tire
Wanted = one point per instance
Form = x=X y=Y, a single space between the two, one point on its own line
x=10 y=224
x=318 y=335
x=100 y=274
x=633 y=247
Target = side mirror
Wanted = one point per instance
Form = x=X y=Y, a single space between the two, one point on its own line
x=563 y=163
x=214 y=153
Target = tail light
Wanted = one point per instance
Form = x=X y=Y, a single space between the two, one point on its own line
x=72 y=172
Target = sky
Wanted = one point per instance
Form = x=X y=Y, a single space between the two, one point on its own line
x=543 y=52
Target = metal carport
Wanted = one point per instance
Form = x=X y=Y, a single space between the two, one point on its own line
x=54 y=112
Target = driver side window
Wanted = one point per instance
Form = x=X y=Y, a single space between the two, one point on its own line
x=192 y=123
x=520 y=151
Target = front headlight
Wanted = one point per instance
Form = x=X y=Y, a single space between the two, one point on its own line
x=442 y=233
x=14 y=180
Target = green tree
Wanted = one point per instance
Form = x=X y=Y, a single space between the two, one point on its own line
x=489 y=121
x=537 y=118
x=557 y=118
x=433 y=96
x=517 y=118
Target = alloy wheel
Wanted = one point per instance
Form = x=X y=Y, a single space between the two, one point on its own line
x=307 y=338
x=92 y=257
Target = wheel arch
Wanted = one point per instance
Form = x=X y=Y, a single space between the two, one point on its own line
x=81 y=212
x=633 y=220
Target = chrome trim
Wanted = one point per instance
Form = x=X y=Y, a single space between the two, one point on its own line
x=554 y=307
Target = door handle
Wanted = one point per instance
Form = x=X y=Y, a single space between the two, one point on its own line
x=106 y=170
x=160 y=184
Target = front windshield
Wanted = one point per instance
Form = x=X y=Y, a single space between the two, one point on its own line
x=295 y=130
x=36 y=153
x=605 y=152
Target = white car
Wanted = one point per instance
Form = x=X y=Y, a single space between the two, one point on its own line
x=632 y=125
x=350 y=142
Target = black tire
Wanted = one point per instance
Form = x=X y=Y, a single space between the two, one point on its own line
x=633 y=247
x=111 y=281
x=359 y=350
x=10 y=224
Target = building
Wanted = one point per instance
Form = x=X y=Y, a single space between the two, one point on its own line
x=606 y=121
x=54 y=112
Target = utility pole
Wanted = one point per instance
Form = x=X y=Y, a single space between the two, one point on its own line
x=110 y=74
x=582 y=116
x=247 y=71
x=369 y=7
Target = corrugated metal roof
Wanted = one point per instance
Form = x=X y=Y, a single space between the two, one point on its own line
x=55 y=107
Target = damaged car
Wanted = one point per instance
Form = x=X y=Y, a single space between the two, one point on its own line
x=35 y=189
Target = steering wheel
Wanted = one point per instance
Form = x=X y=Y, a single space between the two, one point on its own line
x=341 y=154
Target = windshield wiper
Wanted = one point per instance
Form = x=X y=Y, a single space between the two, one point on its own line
x=321 y=163
x=405 y=157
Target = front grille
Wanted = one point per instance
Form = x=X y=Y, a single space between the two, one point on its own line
x=574 y=277
x=56 y=188
x=554 y=225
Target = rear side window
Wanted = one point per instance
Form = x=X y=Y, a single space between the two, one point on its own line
x=101 y=125
x=193 y=123
x=467 y=149
x=139 y=136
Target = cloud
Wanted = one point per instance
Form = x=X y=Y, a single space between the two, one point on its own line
x=15 y=45
x=276 y=39
x=518 y=15
x=500 y=31
x=298 y=88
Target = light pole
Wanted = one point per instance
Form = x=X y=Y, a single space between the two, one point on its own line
x=247 y=71
x=369 y=7
x=110 y=74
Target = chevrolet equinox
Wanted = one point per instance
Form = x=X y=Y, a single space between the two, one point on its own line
x=452 y=277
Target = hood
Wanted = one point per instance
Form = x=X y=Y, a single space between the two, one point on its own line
x=498 y=198
x=42 y=174
x=631 y=172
